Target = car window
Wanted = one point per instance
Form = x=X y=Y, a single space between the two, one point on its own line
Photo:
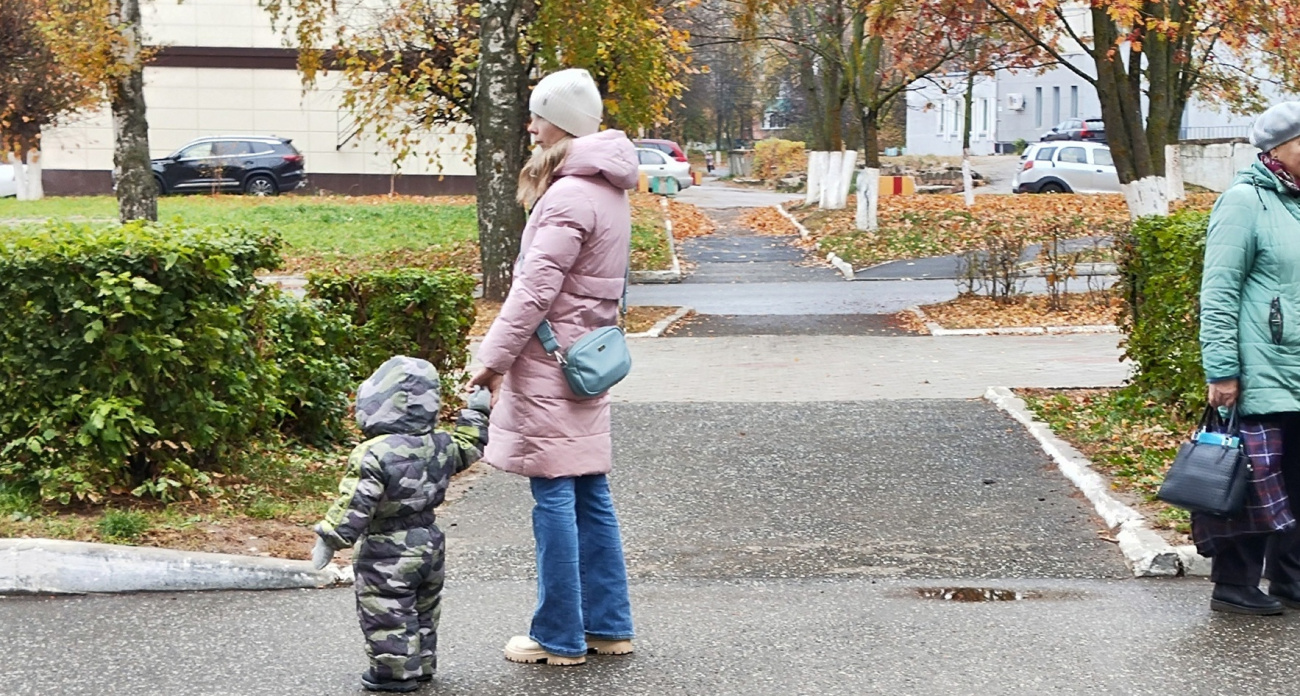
x=1073 y=155
x=198 y=151
x=1102 y=157
x=1045 y=154
x=1095 y=124
x=229 y=148
x=651 y=157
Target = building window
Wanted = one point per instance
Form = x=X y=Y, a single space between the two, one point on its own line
x=774 y=120
x=1056 y=105
x=985 y=107
x=1074 y=101
x=1038 y=107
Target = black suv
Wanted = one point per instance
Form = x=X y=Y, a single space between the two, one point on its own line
x=256 y=165
x=1089 y=129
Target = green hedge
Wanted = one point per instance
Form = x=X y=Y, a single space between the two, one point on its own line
x=1160 y=269
x=424 y=314
x=126 y=355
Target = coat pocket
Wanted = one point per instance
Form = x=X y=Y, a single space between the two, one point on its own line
x=1276 y=320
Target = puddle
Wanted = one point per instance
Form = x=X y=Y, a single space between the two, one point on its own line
x=972 y=594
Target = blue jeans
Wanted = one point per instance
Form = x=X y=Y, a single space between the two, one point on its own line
x=581 y=575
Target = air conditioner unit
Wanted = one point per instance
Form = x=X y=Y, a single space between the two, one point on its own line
x=1016 y=102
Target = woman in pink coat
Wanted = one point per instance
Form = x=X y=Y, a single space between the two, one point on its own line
x=571 y=271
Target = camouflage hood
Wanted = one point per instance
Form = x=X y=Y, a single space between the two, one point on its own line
x=402 y=397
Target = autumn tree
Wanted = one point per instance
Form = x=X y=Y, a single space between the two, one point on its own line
x=418 y=67
x=38 y=87
x=102 y=41
x=1150 y=57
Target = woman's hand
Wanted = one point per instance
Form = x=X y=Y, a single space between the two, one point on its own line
x=1224 y=393
x=490 y=380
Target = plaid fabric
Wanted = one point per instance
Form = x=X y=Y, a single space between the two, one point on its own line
x=1267 y=508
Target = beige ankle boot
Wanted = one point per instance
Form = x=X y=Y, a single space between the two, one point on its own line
x=525 y=649
x=601 y=646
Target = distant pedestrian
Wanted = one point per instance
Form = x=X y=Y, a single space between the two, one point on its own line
x=1250 y=341
x=393 y=482
x=572 y=271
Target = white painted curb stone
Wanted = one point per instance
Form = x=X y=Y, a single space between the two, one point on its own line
x=53 y=566
x=1147 y=553
x=673 y=274
x=937 y=330
x=662 y=325
x=840 y=264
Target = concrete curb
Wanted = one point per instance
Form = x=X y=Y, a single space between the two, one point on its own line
x=54 y=566
x=1147 y=553
x=840 y=264
x=663 y=324
x=937 y=330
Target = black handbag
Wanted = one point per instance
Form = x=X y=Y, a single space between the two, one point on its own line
x=1211 y=473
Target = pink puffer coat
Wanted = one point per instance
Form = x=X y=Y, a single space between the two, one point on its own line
x=571 y=271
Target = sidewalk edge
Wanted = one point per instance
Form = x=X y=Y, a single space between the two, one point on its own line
x=832 y=258
x=1147 y=553
x=56 y=566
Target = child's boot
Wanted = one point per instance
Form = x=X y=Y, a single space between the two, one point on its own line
x=371 y=682
x=525 y=649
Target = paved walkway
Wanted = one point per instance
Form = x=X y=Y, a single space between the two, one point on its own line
x=790 y=504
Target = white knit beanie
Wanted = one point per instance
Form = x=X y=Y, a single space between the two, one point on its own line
x=570 y=100
x=1279 y=124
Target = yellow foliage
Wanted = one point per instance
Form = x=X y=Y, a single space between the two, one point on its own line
x=775 y=158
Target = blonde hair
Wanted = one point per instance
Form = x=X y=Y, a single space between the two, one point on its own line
x=537 y=174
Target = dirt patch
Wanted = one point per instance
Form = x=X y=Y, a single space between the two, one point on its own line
x=642 y=319
x=1099 y=308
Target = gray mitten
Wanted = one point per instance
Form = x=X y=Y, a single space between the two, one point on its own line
x=321 y=554
x=480 y=400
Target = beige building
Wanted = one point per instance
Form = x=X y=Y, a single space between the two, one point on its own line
x=222 y=69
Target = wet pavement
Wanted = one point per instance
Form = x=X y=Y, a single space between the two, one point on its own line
x=806 y=501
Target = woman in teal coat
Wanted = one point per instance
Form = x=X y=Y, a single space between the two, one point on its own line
x=1250 y=347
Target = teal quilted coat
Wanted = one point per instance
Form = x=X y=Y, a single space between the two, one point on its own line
x=1250 y=293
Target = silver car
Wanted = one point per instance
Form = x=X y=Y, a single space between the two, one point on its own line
x=654 y=163
x=1066 y=167
x=8 y=186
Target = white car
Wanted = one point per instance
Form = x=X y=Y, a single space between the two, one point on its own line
x=655 y=163
x=1065 y=166
x=8 y=187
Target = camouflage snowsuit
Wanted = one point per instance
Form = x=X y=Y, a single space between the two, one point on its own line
x=394 y=480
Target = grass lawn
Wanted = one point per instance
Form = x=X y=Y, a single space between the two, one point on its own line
x=345 y=233
x=1128 y=439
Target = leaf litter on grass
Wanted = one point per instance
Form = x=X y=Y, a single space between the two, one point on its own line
x=1129 y=439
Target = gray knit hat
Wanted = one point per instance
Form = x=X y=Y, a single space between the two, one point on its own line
x=1280 y=124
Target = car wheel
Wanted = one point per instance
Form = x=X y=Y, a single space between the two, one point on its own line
x=260 y=185
x=1051 y=187
x=162 y=188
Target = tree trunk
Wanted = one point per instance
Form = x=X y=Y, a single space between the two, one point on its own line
x=35 y=186
x=968 y=122
x=137 y=193
x=868 y=199
x=871 y=137
x=501 y=140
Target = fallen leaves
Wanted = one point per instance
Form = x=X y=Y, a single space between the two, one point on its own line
x=1130 y=440
x=979 y=312
x=938 y=225
x=769 y=221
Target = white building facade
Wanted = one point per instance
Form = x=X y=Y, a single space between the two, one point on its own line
x=222 y=69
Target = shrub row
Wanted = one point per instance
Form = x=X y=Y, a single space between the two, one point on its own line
x=1160 y=281
x=138 y=358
